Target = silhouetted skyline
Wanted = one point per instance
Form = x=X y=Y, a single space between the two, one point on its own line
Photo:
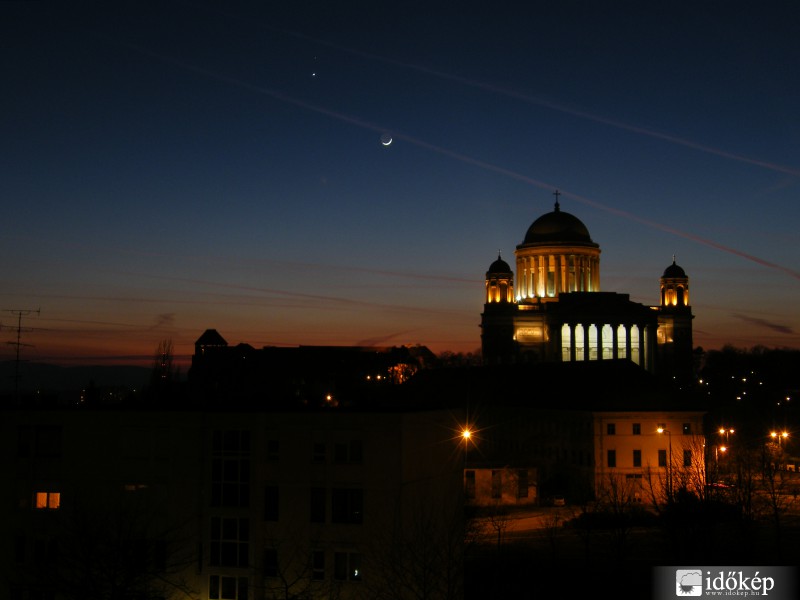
x=176 y=166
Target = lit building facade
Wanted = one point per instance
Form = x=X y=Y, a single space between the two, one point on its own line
x=554 y=310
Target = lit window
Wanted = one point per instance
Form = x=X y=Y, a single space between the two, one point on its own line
x=48 y=500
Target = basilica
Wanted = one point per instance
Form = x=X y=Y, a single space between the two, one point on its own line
x=554 y=311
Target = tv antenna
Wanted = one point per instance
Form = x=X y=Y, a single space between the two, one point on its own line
x=18 y=345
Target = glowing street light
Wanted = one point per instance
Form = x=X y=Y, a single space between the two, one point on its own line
x=661 y=429
x=466 y=435
x=726 y=433
x=779 y=437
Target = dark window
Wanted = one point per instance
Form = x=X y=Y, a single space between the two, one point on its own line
x=522 y=483
x=318 y=452
x=271 y=503
x=612 y=458
x=469 y=484
x=227 y=588
x=317 y=505
x=19 y=548
x=662 y=458
x=230 y=469
x=348 y=452
x=497 y=483
x=687 y=429
x=273 y=450
x=48 y=441
x=637 y=458
x=347 y=505
x=318 y=565
x=347 y=566
x=637 y=429
x=271 y=562
x=611 y=428
x=687 y=458
x=230 y=542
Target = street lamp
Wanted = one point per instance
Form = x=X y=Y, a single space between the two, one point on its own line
x=466 y=435
x=779 y=437
x=726 y=433
x=719 y=449
x=669 y=464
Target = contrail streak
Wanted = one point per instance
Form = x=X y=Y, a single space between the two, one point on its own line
x=551 y=105
x=280 y=96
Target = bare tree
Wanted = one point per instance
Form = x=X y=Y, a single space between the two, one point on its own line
x=419 y=555
x=122 y=553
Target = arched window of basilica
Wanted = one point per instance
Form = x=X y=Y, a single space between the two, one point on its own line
x=622 y=344
x=607 y=342
x=635 y=345
x=592 y=342
x=579 y=342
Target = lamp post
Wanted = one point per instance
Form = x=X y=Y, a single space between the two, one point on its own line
x=778 y=438
x=466 y=435
x=669 y=464
x=726 y=433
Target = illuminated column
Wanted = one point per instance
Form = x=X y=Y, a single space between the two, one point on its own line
x=530 y=288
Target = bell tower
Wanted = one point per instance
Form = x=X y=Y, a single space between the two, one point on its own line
x=497 y=320
x=675 y=324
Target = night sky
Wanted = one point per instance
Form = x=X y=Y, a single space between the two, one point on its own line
x=168 y=167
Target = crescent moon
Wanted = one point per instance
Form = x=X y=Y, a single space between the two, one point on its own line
x=386 y=139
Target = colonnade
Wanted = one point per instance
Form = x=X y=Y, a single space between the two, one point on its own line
x=546 y=275
x=590 y=341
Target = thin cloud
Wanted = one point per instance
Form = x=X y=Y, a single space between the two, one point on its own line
x=382 y=340
x=764 y=323
x=164 y=321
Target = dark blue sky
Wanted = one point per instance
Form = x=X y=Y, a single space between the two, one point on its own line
x=173 y=166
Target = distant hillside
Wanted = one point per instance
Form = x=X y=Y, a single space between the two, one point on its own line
x=53 y=378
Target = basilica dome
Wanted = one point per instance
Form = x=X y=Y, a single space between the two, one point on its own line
x=557 y=227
